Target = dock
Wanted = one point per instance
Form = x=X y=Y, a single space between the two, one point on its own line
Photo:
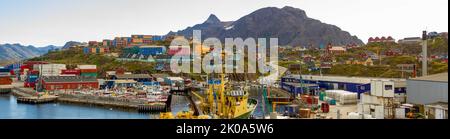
x=152 y=108
x=99 y=101
x=5 y=89
x=36 y=100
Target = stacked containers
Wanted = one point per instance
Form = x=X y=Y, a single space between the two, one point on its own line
x=88 y=70
x=5 y=72
x=5 y=80
x=71 y=72
x=49 y=69
x=31 y=79
x=5 y=76
x=344 y=97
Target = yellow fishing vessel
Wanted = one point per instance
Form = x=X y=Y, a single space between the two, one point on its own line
x=220 y=101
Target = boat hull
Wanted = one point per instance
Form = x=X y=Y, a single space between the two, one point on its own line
x=253 y=103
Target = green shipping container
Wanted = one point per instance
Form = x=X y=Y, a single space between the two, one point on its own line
x=322 y=96
x=89 y=74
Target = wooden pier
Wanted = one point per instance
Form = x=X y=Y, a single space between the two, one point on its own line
x=36 y=100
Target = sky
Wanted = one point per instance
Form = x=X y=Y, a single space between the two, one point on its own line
x=54 y=22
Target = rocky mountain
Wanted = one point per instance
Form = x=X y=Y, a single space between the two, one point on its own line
x=71 y=44
x=17 y=52
x=290 y=25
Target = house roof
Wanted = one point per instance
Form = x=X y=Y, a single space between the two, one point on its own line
x=64 y=79
x=441 y=105
x=133 y=76
x=442 y=77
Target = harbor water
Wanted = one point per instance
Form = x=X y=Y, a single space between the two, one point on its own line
x=10 y=109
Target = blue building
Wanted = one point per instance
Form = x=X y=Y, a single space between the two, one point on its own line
x=157 y=38
x=152 y=50
x=86 y=50
x=352 y=84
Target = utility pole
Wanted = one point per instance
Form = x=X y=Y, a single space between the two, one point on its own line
x=424 y=54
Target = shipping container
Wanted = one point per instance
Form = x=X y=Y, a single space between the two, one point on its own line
x=400 y=113
x=87 y=66
x=54 y=67
x=5 y=81
x=4 y=70
x=72 y=71
x=388 y=89
x=88 y=70
x=89 y=74
x=379 y=112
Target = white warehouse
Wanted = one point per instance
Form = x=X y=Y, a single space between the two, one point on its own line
x=428 y=89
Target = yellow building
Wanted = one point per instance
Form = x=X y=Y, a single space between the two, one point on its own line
x=367 y=62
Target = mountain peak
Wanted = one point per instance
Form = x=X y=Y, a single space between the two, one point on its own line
x=291 y=25
x=212 y=19
x=295 y=11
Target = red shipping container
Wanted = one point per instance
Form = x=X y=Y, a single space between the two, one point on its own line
x=76 y=72
x=325 y=108
x=309 y=100
x=29 y=84
x=315 y=100
x=33 y=72
x=23 y=67
x=5 y=81
x=88 y=70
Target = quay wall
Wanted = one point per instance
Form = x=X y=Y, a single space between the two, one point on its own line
x=100 y=101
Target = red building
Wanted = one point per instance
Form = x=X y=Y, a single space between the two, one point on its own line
x=393 y=52
x=69 y=82
x=93 y=43
x=382 y=39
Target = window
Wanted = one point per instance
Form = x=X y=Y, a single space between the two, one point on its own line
x=388 y=87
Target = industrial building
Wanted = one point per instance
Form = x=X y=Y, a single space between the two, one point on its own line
x=428 y=89
x=352 y=84
x=51 y=83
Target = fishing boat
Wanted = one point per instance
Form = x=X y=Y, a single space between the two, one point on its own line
x=224 y=101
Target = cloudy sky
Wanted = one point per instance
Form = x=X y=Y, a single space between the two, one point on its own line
x=54 y=22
